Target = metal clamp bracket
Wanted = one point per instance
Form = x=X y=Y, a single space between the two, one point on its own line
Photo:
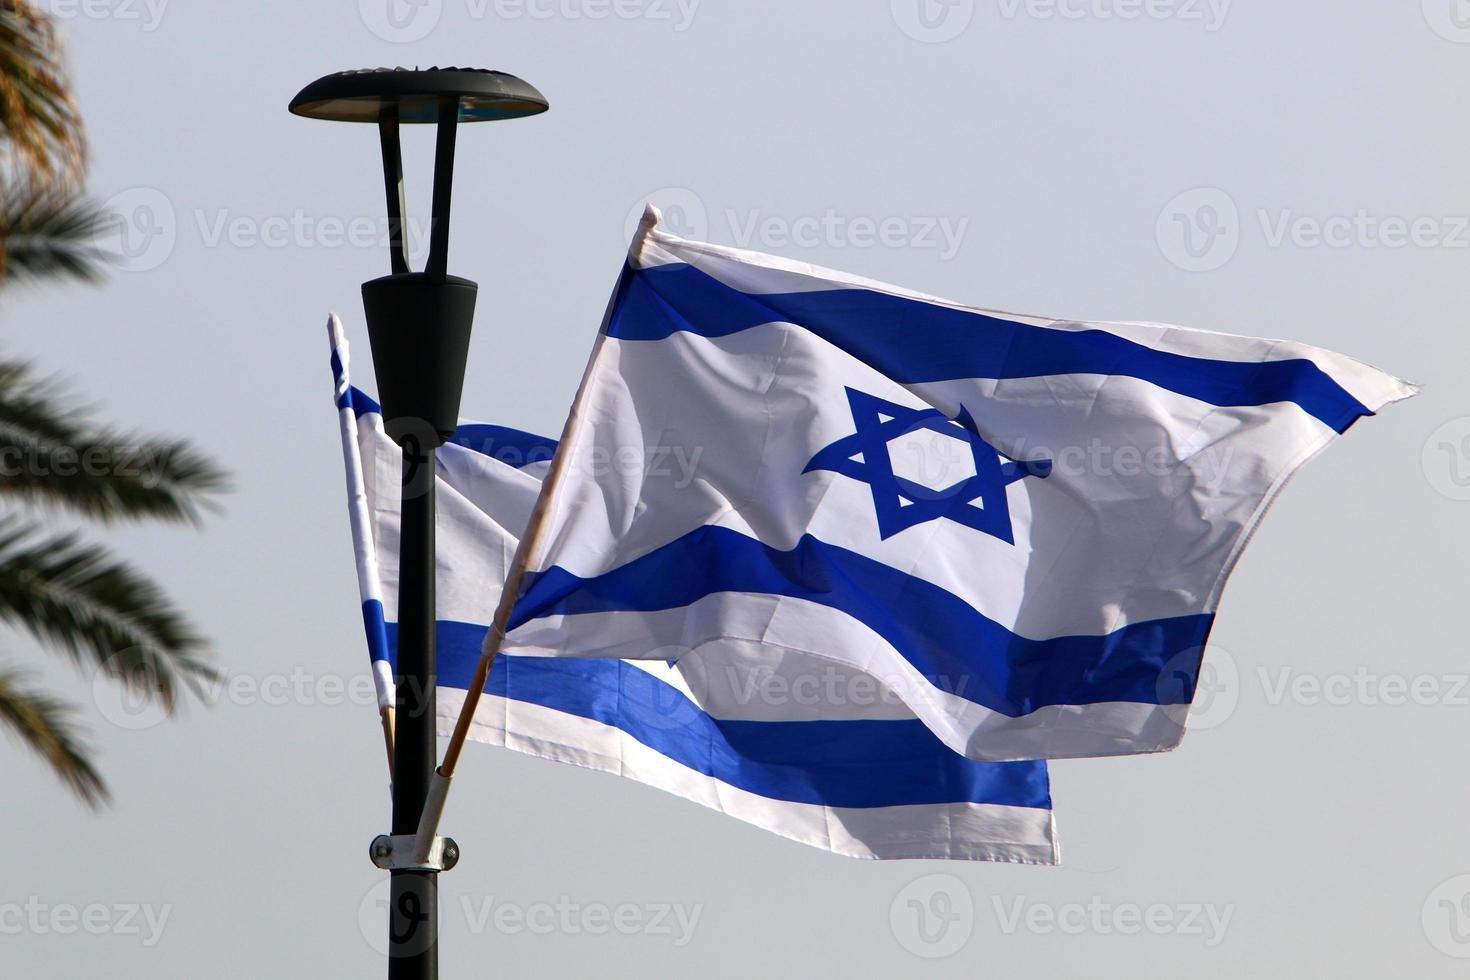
x=398 y=853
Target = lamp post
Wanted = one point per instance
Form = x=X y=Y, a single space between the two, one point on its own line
x=419 y=329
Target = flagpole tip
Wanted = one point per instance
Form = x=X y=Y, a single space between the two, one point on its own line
x=651 y=217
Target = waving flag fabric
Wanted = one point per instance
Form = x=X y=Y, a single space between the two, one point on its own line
x=870 y=781
x=1020 y=526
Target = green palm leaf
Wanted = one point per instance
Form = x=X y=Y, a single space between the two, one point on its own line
x=45 y=725
x=70 y=595
x=44 y=234
x=98 y=611
x=54 y=456
x=42 y=134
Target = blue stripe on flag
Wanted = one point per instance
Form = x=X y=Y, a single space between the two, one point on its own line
x=860 y=763
x=356 y=399
x=956 y=648
x=509 y=446
x=375 y=623
x=913 y=342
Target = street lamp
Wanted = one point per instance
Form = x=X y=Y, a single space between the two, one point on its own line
x=419 y=328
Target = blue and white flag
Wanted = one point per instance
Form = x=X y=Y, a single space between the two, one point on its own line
x=874 y=783
x=1019 y=526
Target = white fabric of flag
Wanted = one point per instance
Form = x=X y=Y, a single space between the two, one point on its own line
x=1019 y=526
x=874 y=783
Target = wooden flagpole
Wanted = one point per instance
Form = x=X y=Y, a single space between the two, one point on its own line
x=428 y=827
x=389 y=716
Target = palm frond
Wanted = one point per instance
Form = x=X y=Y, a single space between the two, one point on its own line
x=45 y=234
x=45 y=725
x=98 y=610
x=28 y=402
x=56 y=456
x=43 y=133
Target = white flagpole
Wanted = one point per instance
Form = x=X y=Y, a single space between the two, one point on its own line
x=359 y=520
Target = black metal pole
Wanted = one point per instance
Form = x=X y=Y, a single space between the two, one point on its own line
x=413 y=925
x=419 y=326
x=438 y=263
x=393 y=185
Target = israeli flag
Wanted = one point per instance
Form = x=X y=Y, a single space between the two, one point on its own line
x=875 y=783
x=1020 y=527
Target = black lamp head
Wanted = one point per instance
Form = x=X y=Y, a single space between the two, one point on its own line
x=417 y=95
x=419 y=322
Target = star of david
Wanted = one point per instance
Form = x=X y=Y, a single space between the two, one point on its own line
x=977 y=501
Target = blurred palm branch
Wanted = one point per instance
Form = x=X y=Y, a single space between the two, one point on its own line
x=58 y=460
